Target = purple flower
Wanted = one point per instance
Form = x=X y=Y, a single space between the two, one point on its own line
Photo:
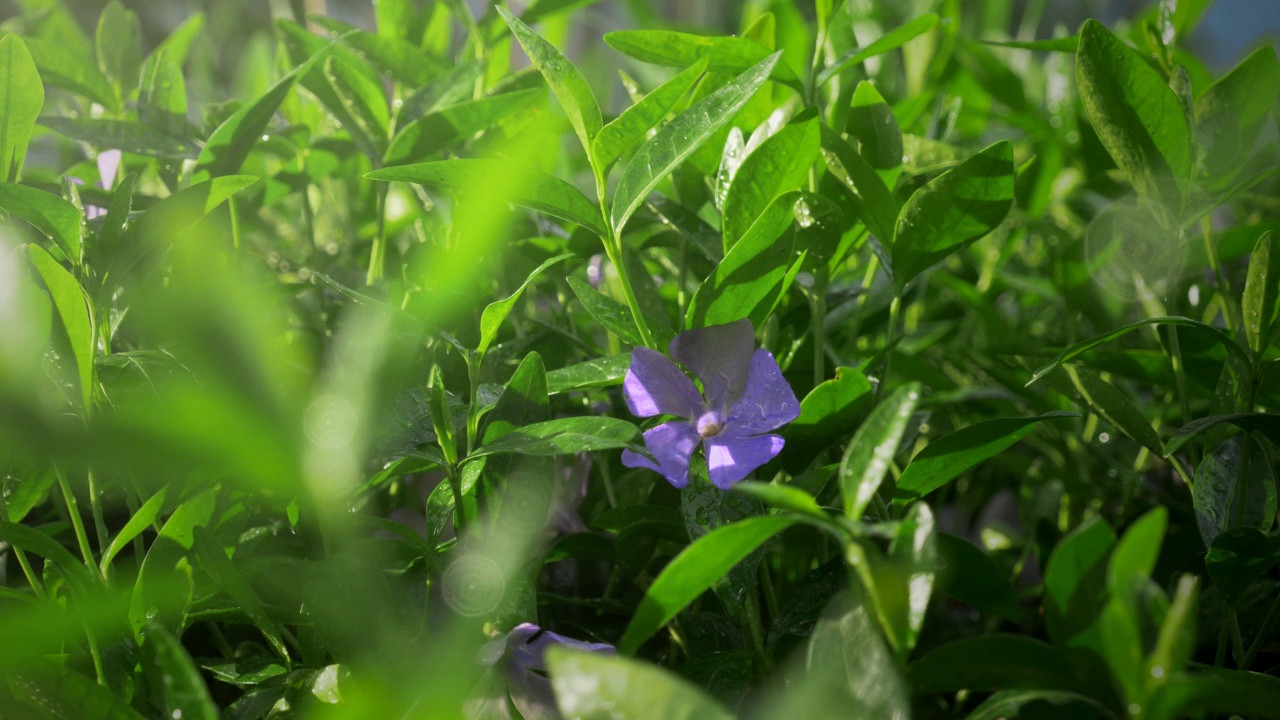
x=746 y=398
x=520 y=661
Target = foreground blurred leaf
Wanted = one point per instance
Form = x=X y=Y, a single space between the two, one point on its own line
x=970 y=576
x=694 y=571
x=71 y=71
x=678 y=139
x=1231 y=113
x=596 y=685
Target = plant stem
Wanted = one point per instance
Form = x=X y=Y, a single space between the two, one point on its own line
x=235 y=224
x=1268 y=624
x=459 y=511
x=613 y=249
x=77 y=522
x=890 y=337
x=818 y=309
x=378 y=255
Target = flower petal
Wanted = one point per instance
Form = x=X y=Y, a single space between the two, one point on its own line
x=108 y=166
x=655 y=386
x=730 y=459
x=719 y=356
x=672 y=444
x=767 y=401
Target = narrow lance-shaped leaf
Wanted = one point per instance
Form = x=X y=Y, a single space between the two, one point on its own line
x=119 y=46
x=1138 y=118
x=871 y=200
x=564 y=436
x=953 y=210
x=1231 y=113
x=228 y=577
x=629 y=127
x=124 y=135
x=611 y=314
x=437 y=130
x=1261 y=302
x=869 y=453
x=694 y=571
x=73 y=309
x=50 y=214
x=537 y=191
x=677 y=49
x=677 y=140
x=182 y=691
x=891 y=40
x=493 y=315
x=22 y=97
x=139 y=522
x=566 y=81
x=397 y=59
x=162 y=101
x=365 y=101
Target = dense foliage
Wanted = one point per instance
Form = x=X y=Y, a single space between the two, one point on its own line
x=354 y=396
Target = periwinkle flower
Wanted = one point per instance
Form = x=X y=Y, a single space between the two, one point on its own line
x=746 y=398
x=520 y=661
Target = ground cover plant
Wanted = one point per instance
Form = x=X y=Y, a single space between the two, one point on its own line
x=879 y=360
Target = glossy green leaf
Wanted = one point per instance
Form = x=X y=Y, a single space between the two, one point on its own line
x=991 y=662
x=496 y=312
x=537 y=191
x=1067 y=44
x=1238 y=558
x=830 y=411
x=611 y=314
x=564 y=436
x=744 y=284
x=73 y=310
x=1216 y=494
x=629 y=128
x=1261 y=302
x=677 y=49
x=1219 y=692
x=694 y=571
x=35 y=541
x=22 y=96
x=780 y=164
x=50 y=214
x=1266 y=423
x=946 y=458
x=131 y=137
x=1136 y=553
x=891 y=40
x=60 y=693
x=564 y=78
x=437 y=130
x=602 y=372
x=873 y=123
x=1086 y=345
x=162 y=591
x=872 y=448
x=871 y=200
x=1176 y=640
x=523 y=401
x=119 y=46
x=1230 y=114
x=783 y=497
x=970 y=576
x=1089 y=390
x=898 y=584
x=1138 y=118
x=953 y=210
x=138 y=522
x=1010 y=703
x=678 y=139
x=182 y=691
x=599 y=685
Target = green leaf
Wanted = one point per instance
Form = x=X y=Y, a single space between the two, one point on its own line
x=72 y=72
x=611 y=314
x=496 y=312
x=1136 y=553
x=1222 y=693
x=1010 y=703
x=119 y=46
x=953 y=210
x=162 y=592
x=946 y=458
x=50 y=214
x=630 y=127
x=678 y=139
x=73 y=310
x=437 y=130
x=873 y=123
x=536 y=191
x=564 y=436
x=1068 y=44
x=694 y=571
x=177 y=46
x=393 y=57
x=227 y=147
x=1261 y=301
x=991 y=662
x=162 y=101
x=891 y=40
x=1089 y=390
x=178 y=683
x=744 y=284
x=677 y=49
x=783 y=497
x=1215 y=494
x=1231 y=113
x=1075 y=584
x=599 y=685
x=216 y=563
x=830 y=411
x=900 y=583
x=779 y=165
x=872 y=449
x=60 y=693
x=1138 y=118
x=1176 y=640
x=22 y=97
x=34 y=541
x=365 y=101
x=566 y=81
x=970 y=576
x=871 y=199
x=1238 y=558
x=1265 y=423
x=1093 y=342
x=601 y=372
x=131 y=137
x=139 y=522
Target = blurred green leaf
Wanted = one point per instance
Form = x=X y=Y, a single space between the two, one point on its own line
x=677 y=140
x=496 y=312
x=365 y=101
x=591 y=685
x=991 y=662
x=783 y=497
x=125 y=135
x=138 y=522
x=395 y=58
x=970 y=576
x=1238 y=558
x=1090 y=391
x=215 y=562
x=162 y=591
x=1075 y=584
x=162 y=101
x=441 y=128
x=72 y=72
x=60 y=693
x=22 y=96
x=1232 y=112
x=1266 y=423
x=681 y=50
x=119 y=47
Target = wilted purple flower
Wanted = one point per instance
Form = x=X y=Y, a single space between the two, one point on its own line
x=520 y=661
x=746 y=398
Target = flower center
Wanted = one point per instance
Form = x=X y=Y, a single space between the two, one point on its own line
x=710 y=424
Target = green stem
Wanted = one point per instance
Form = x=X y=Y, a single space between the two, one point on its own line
x=235 y=224
x=378 y=255
x=77 y=522
x=1268 y=624
x=95 y=507
x=819 y=326
x=891 y=336
x=1220 y=657
x=459 y=511
x=613 y=249
x=1237 y=644
x=755 y=631
x=32 y=579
